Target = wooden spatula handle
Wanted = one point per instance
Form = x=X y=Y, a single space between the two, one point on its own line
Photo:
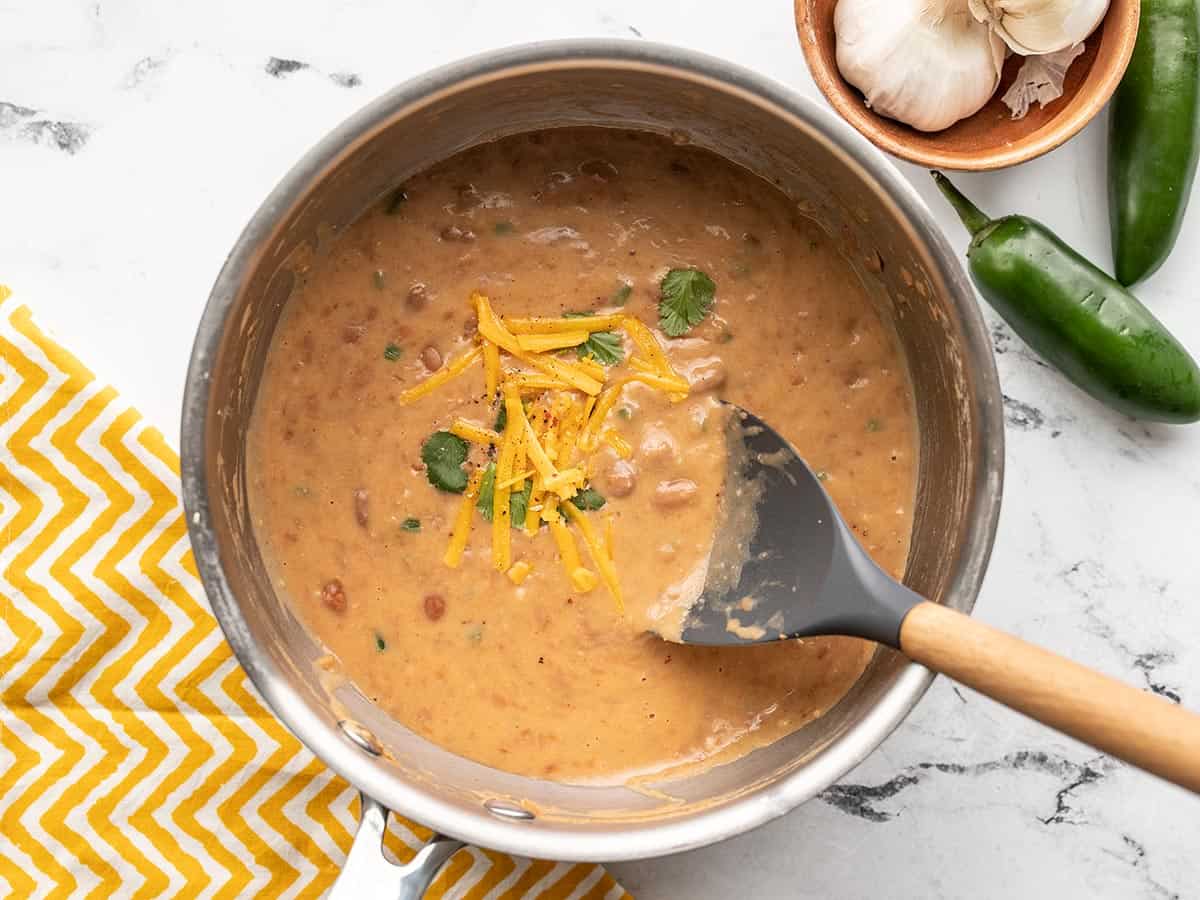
x=1133 y=725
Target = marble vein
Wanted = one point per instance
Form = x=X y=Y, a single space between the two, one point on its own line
x=28 y=124
x=864 y=800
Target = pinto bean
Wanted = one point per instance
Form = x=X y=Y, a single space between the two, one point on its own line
x=418 y=297
x=599 y=168
x=674 y=493
x=435 y=606
x=658 y=445
x=361 y=499
x=620 y=479
x=333 y=595
x=454 y=233
x=707 y=375
x=431 y=358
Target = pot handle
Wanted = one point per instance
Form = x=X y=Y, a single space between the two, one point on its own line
x=368 y=874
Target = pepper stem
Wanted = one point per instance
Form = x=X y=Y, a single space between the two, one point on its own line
x=974 y=218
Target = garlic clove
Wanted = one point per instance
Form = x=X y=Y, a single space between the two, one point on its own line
x=925 y=64
x=1039 y=27
x=1040 y=79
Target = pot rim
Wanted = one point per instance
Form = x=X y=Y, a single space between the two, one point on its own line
x=610 y=840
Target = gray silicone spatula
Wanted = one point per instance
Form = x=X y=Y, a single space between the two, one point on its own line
x=784 y=564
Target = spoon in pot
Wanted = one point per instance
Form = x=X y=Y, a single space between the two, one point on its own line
x=785 y=565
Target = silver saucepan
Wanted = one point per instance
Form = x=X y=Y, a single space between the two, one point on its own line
x=836 y=178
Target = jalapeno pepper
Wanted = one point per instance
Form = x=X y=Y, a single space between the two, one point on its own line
x=1154 y=138
x=1078 y=318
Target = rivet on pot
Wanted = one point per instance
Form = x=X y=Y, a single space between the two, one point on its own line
x=505 y=809
x=362 y=738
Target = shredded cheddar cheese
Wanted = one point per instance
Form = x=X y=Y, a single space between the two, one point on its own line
x=476 y=434
x=551 y=325
x=540 y=343
x=565 y=483
x=568 y=435
x=491 y=369
x=591 y=367
x=527 y=383
x=656 y=361
x=584 y=579
x=600 y=557
x=646 y=343
x=674 y=385
x=591 y=428
x=514 y=434
x=517 y=480
x=569 y=554
x=491 y=327
x=618 y=443
x=572 y=373
x=462 y=522
x=533 y=514
x=519 y=571
x=556 y=415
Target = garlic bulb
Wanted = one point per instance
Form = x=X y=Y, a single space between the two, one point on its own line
x=1036 y=27
x=927 y=63
x=1040 y=79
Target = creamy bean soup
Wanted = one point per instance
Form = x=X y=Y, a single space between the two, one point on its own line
x=487 y=454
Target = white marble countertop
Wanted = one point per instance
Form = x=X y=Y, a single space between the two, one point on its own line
x=137 y=138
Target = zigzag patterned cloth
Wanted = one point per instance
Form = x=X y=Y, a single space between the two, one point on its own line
x=136 y=760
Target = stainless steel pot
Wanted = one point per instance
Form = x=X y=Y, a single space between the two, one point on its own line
x=835 y=177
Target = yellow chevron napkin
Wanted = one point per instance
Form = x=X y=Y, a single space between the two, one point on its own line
x=135 y=757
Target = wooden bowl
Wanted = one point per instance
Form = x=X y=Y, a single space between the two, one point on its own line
x=991 y=138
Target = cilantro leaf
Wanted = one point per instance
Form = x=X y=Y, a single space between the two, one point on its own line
x=686 y=295
x=501 y=418
x=588 y=499
x=605 y=346
x=410 y=525
x=487 y=492
x=443 y=454
x=518 y=503
x=621 y=295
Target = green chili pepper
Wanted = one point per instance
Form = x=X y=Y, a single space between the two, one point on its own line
x=1081 y=320
x=1154 y=138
